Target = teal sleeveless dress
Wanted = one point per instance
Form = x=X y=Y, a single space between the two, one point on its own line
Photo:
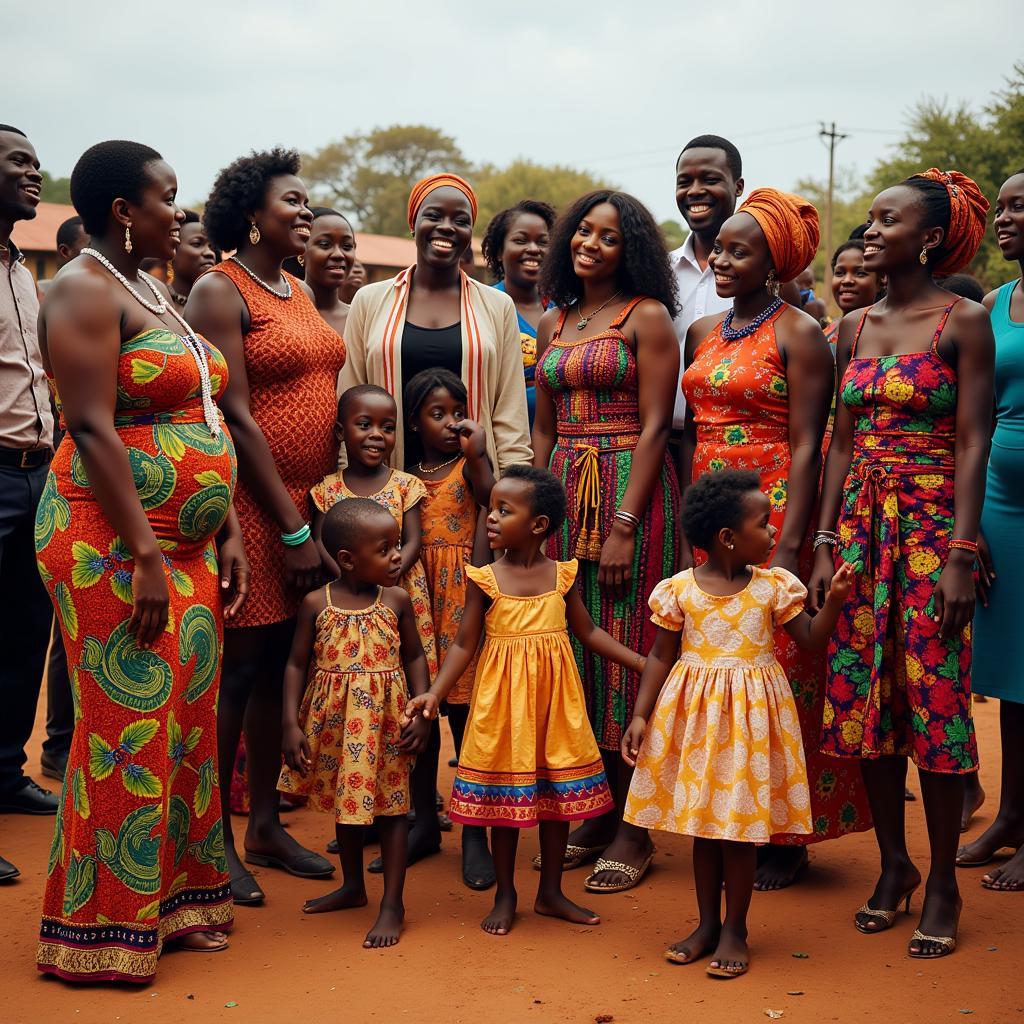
x=998 y=638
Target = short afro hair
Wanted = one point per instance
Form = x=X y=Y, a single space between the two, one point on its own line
x=67 y=233
x=240 y=190
x=498 y=229
x=346 y=521
x=715 y=502
x=107 y=171
x=419 y=389
x=358 y=391
x=964 y=285
x=644 y=268
x=547 y=495
x=732 y=154
x=13 y=130
x=191 y=217
x=850 y=243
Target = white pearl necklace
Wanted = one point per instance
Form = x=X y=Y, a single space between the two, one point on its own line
x=286 y=294
x=189 y=339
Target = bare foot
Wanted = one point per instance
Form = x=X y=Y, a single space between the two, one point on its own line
x=561 y=906
x=386 y=929
x=499 y=920
x=1008 y=878
x=202 y=942
x=890 y=889
x=999 y=834
x=779 y=867
x=696 y=945
x=731 y=954
x=344 y=898
x=974 y=797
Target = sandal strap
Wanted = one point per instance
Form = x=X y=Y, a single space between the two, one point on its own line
x=632 y=873
x=888 y=916
x=945 y=941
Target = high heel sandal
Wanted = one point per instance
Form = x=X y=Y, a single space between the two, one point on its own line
x=887 y=917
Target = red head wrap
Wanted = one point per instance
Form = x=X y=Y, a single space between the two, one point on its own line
x=790 y=225
x=425 y=186
x=967 y=211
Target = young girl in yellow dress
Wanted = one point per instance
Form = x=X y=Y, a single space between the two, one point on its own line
x=344 y=692
x=529 y=754
x=448 y=452
x=720 y=758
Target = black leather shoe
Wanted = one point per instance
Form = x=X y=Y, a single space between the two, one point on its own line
x=54 y=765
x=7 y=870
x=30 y=799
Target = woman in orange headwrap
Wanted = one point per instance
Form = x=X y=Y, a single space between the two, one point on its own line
x=902 y=498
x=434 y=315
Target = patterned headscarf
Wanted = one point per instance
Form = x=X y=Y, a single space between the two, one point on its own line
x=967 y=211
x=425 y=186
x=790 y=225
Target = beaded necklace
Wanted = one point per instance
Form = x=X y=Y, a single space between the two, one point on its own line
x=731 y=334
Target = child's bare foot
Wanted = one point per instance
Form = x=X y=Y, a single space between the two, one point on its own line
x=731 y=956
x=202 y=942
x=386 y=929
x=701 y=941
x=558 y=905
x=499 y=920
x=344 y=898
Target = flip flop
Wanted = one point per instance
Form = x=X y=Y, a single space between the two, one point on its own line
x=246 y=891
x=317 y=866
x=575 y=856
x=635 y=875
x=726 y=972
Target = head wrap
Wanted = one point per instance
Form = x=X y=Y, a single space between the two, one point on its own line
x=425 y=186
x=967 y=211
x=790 y=225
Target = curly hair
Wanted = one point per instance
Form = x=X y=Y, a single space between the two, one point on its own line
x=547 y=495
x=346 y=521
x=240 y=189
x=497 y=231
x=644 y=268
x=107 y=171
x=715 y=502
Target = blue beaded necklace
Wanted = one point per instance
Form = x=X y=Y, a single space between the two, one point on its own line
x=730 y=334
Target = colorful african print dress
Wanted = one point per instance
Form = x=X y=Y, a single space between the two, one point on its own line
x=594 y=385
x=894 y=685
x=739 y=396
x=402 y=492
x=529 y=753
x=137 y=856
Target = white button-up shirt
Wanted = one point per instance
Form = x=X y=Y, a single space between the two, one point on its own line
x=697 y=297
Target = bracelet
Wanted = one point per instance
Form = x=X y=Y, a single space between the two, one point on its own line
x=828 y=537
x=639 y=665
x=298 y=538
x=627 y=517
x=957 y=544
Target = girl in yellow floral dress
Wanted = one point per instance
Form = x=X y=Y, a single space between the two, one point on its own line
x=721 y=757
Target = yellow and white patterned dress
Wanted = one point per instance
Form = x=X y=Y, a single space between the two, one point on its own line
x=722 y=757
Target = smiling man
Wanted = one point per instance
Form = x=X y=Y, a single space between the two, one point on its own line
x=26 y=447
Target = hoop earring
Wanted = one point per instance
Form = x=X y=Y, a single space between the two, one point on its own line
x=923 y=257
x=301 y=260
x=127 y=238
x=254 y=234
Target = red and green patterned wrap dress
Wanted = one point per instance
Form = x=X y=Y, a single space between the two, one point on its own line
x=894 y=685
x=137 y=856
x=594 y=385
x=739 y=396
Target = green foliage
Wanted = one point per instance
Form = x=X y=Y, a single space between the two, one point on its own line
x=674 y=232
x=56 y=190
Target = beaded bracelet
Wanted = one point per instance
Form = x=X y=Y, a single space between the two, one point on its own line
x=298 y=538
x=959 y=544
x=823 y=537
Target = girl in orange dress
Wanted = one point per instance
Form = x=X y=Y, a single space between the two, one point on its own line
x=449 y=455
x=720 y=758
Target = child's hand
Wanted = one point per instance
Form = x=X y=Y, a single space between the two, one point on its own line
x=425 y=704
x=631 y=740
x=842 y=582
x=415 y=736
x=472 y=439
x=296 y=750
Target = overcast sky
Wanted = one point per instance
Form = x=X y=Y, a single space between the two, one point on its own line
x=616 y=88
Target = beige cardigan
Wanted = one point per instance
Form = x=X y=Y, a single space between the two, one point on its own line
x=492 y=361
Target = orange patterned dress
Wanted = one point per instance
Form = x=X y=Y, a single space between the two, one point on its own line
x=739 y=397
x=449 y=527
x=292 y=361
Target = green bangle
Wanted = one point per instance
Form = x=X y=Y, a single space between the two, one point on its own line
x=299 y=537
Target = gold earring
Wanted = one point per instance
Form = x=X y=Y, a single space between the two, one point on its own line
x=254 y=234
x=772 y=283
x=301 y=260
x=923 y=258
x=127 y=238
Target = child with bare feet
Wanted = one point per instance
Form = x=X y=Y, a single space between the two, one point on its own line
x=719 y=756
x=529 y=755
x=344 y=746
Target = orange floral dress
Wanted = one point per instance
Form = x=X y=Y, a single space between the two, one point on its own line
x=402 y=492
x=355 y=696
x=739 y=397
x=449 y=527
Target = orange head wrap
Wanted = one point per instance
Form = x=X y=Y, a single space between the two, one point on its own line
x=967 y=211
x=425 y=186
x=790 y=224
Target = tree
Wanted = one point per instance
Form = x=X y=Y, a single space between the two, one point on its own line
x=369 y=176
x=849 y=208
x=56 y=190
x=675 y=234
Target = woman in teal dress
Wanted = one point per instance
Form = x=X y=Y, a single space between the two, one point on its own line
x=998 y=638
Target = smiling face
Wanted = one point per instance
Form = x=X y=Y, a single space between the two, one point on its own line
x=156 y=218
x=1009 y=223
x=443 y=228
x=596 y=247
x=330 y=251
x=740 y=258
x=194 y=254
x=853 y=285
x=511 y=521
x=754 y=537
x=526 y=242
x=284 y=220
x=368 y=428
x=436 y=420
x=706 y=191
x=20 y=180
x=377 y=557
x=896 y=231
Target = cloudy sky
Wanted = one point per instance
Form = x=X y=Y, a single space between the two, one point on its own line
x=616 y=88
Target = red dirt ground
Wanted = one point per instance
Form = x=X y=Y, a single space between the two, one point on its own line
x=285 y=965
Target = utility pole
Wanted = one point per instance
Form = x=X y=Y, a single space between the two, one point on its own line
x=833 y=138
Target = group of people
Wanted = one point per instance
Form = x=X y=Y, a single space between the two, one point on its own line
x=665 y=555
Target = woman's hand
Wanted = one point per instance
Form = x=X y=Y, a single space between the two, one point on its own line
x=150 y=598
x=295 y=748
x=426 y=704
x=631 y=740
x=820 y=583
x=615 y=570
x=955 y=594
x=234 y=575
x=303 y=567
x=415 y=736
x=986 y=570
